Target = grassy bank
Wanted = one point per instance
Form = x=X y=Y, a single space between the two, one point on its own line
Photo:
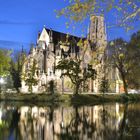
x=69 y=99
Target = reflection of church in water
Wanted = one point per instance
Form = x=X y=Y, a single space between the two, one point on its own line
x=83 y=123
x=50 y=50
x=98 y=122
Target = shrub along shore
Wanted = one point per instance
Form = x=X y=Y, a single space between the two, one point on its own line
x=80 y=99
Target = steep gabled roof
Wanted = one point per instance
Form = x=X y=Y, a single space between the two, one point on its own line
x=59 y=36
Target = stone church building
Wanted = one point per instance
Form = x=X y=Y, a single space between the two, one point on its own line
x=50 y=49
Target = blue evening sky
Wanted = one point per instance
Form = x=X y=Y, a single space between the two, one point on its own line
x=20 y=21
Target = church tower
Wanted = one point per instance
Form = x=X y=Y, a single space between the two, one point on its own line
x=97 y=32
x=98 y=41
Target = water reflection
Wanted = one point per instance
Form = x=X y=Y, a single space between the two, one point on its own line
x=99 y=122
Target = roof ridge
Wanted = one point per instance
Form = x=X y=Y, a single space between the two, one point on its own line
x=62 y=33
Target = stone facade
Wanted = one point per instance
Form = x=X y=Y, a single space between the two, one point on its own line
x=98 y=42
x=49 y=51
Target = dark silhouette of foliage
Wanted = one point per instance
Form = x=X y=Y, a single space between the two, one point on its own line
x=119 y=57
x=104 y=85
x=125 y=57
x=134 y=55
x=51 y=86
x=16 y=69
x=30 y=78
x=72 y=69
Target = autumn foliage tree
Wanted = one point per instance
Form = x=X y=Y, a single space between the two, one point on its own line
x=125 y=57
x=4 y=62
x=120 y=59
x=127 y=11
x=74 y=69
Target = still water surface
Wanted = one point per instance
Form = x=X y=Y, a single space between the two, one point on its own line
x=98 y=122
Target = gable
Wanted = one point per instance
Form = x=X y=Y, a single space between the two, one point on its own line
x=44 y=37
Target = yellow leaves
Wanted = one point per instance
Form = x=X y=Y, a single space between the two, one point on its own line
x=78 y=10
x=85 y=42
x=110 y=7
x=111 y=43
x=129 y=3
x=93 y=53
x=76 y=1
x=80 y=43
x=120 y=1
x=65 y=48
x=121 y=56
x=76 y=18
x=119 y=8
x=129 y=28
x=91 y=62
x=132 y=15
x=67 y=24
x=62 y=11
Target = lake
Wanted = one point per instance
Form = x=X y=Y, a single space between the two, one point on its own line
x=99 y=122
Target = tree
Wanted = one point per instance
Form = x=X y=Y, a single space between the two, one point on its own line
x=4 y=63
x=51 y=86
x=74 y=69
x=128 y=11
x=134 y=54
x=16 y=68
x=125 y=57
x=30 y=78
x=104 y=85
x=120 y=58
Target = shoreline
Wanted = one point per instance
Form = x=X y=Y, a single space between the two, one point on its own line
x=70 y=99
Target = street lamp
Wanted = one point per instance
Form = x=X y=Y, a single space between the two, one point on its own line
x=1 y=82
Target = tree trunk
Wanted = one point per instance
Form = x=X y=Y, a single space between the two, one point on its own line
x=76 y=90
x=124 y=82
x=0 y=87
x=30 y=89
x=125 y=87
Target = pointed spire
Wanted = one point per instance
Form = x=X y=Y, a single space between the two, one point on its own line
x=51 y=35
x=88 y=32
x=39 y=33
x=31 y=48
x=22 y=49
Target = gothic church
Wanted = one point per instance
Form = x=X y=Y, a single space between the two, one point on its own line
x=49 y=50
